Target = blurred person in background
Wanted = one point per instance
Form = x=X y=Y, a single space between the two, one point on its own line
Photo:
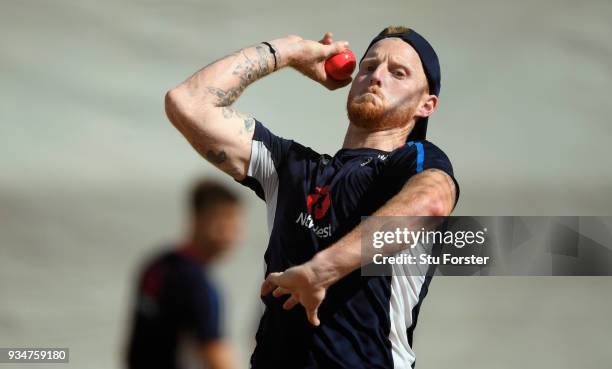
x=177 y=318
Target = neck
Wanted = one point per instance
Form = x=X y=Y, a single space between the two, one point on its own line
x=385 y=140
x=196 y=248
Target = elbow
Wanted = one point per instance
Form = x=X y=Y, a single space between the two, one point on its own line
x=437 y=208
x=430 y=203
x=171 y=105
x=183 y=109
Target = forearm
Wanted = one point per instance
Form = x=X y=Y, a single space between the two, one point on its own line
x=425 y=196
x=347 y=254
x=220 y=83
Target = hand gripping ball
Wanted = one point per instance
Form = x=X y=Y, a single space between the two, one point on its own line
x=340 y=66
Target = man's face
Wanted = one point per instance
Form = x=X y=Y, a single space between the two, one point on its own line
x=390 y=89
x=219 y=228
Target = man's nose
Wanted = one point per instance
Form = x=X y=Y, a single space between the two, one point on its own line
x=376 y=76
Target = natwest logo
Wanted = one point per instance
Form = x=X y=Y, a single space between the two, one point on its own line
x=305 y=220
x=318 y=204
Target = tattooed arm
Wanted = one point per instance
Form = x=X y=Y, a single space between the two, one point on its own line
x=200 y=107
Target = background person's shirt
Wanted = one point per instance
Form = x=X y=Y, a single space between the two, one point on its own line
x=175 y=303
x=312 y=201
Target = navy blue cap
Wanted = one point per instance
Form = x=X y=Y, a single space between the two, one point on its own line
x=431 y=66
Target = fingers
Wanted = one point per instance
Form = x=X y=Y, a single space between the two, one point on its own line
x=333 y=84
x=327 y=38
x=312 y=314
x=290 y=303
x=330 y=50
x=335 y=48
x=270 y=283
x=313 y=317
x=279 y=291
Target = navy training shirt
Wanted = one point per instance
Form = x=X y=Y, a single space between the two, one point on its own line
x=176 y=303
x=312 y=201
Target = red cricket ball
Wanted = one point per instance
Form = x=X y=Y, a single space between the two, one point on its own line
x=340 y=66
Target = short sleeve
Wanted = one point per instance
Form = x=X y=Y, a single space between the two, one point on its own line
x=268 y=152
x=207 y=320
x=417 y=156
x=202 y=307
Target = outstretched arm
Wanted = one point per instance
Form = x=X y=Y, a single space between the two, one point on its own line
x=200 y=107
x=430 y=193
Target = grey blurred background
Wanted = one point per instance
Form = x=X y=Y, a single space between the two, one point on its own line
x=93 y=176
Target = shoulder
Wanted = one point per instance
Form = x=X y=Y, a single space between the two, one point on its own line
x=278 y=147
x=419 y=148
x=420 y=155
x=175 y=268
x=156 y=261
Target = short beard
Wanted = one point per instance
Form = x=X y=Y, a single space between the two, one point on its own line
x=364 y=112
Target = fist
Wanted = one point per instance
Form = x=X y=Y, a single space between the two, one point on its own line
x=309 y=58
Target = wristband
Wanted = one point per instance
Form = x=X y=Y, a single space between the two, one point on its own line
x=272 y=51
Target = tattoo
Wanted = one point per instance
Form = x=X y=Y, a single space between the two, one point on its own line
x=227 y=112
x=247 y=72
x=251 y=70
x=249 y=122
x=216 y=158
x=224 y=98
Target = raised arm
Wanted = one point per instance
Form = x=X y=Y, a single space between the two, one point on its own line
x=200 y=107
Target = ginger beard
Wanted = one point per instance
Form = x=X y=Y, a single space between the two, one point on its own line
x=370 y=110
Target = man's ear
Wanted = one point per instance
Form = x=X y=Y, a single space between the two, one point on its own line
x=428 y=106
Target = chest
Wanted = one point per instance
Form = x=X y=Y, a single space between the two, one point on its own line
x=330 y=191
